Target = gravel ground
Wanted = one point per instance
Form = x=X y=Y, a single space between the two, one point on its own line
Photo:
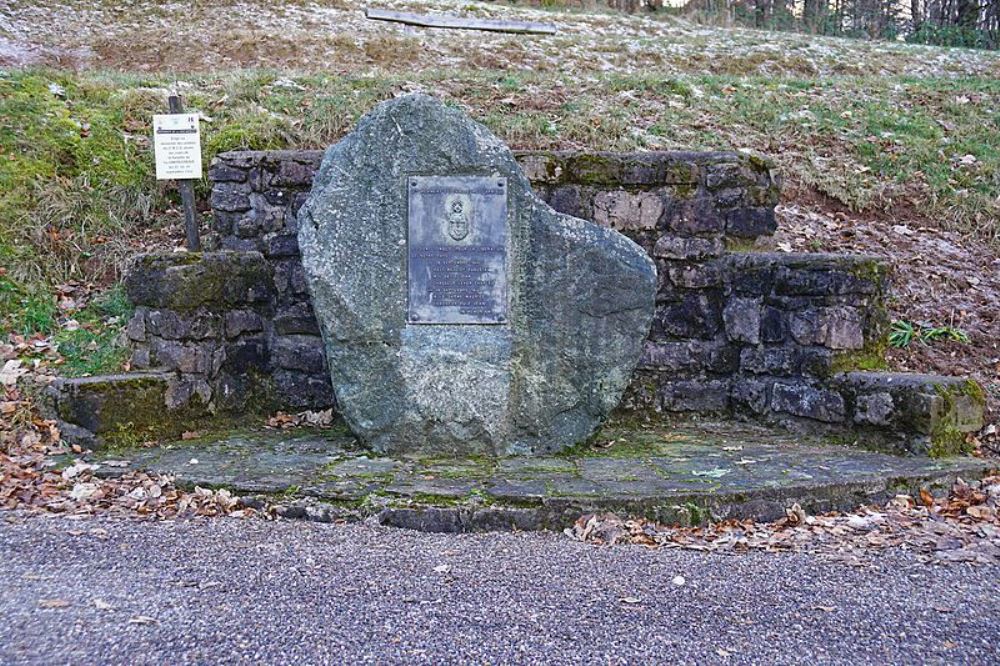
x=251 y=591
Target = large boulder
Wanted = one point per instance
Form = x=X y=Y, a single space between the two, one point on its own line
x=531 y=360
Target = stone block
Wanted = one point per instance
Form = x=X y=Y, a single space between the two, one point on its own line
x=225 y=223
x=299 y=352
x=567 y=199
x=839 y=328
x=764 y=195
x=183 y=391
x=220 y=172
x=301 y=390
x=282 y=245
x=135 y=330
x=672 y=246
x=601 y=169
x=751 y=395
x=695 y=217
x=231 y=197
x=140 y=358
x=749 y=276
x=695 y=275
x=540 y=167
x=289 y=277
x=829 y=275
x=199 y=324
x=780 y=361
x=695 y=395
x=185 y=282
x=923 y=414
x=191 y=358
x=742 y=317
x=123 y=408
x=809 y=402
x=772 y=325
x=697 y=315
x=243 y=160
x=729 y=198
x=732 y=175
x=627 y=211
x=238 y=322
x=297 y=200
x=276 y=198
x=245 y=356
x=294 y=174
x=236 y=244
x=689 y=356
x=751 y=222
x=786 y=361
x=297 y=318
x=874 y=409
x=641 y=169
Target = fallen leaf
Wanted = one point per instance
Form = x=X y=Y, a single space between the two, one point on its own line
x=142 y=619
x=53 y=603
x=716 y=473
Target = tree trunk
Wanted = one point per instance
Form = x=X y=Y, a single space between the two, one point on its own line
x=968 y=14
x=812 y=14
x=916 y=15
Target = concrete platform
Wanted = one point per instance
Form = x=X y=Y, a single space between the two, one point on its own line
x=684 y=472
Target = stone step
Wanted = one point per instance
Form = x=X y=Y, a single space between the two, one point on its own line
x=913 y=413
x=121 y=409
x=674 y=472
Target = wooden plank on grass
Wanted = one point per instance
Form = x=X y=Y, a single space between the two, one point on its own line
x=459 y=22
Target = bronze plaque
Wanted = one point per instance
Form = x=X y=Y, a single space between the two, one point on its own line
x=457 y=250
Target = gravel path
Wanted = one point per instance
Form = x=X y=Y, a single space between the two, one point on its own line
x=232 y=591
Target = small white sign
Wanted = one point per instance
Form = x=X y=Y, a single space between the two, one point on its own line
x=177 y=144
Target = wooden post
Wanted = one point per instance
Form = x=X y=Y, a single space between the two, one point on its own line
x=187 y=194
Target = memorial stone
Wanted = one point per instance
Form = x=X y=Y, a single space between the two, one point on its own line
x=461 y=315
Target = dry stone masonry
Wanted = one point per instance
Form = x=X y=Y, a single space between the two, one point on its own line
x=794 y=339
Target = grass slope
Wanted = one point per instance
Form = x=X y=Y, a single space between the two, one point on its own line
x=910 y=132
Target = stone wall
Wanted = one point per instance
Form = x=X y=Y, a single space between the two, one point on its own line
x=768 y=336
x=218 y=322
x=683 y=208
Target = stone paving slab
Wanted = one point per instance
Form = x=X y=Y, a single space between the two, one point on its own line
x=679 y=472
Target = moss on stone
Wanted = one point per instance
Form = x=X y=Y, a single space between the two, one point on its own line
x=187 y=281
x=684 y=190
x=871 y=357
x=696 y=515
x=739 y=245
x=947 y=437
x=593 y=169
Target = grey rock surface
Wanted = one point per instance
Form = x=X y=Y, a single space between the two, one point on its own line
x=580 y=303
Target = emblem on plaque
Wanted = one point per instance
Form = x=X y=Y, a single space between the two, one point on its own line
x=458 y=218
